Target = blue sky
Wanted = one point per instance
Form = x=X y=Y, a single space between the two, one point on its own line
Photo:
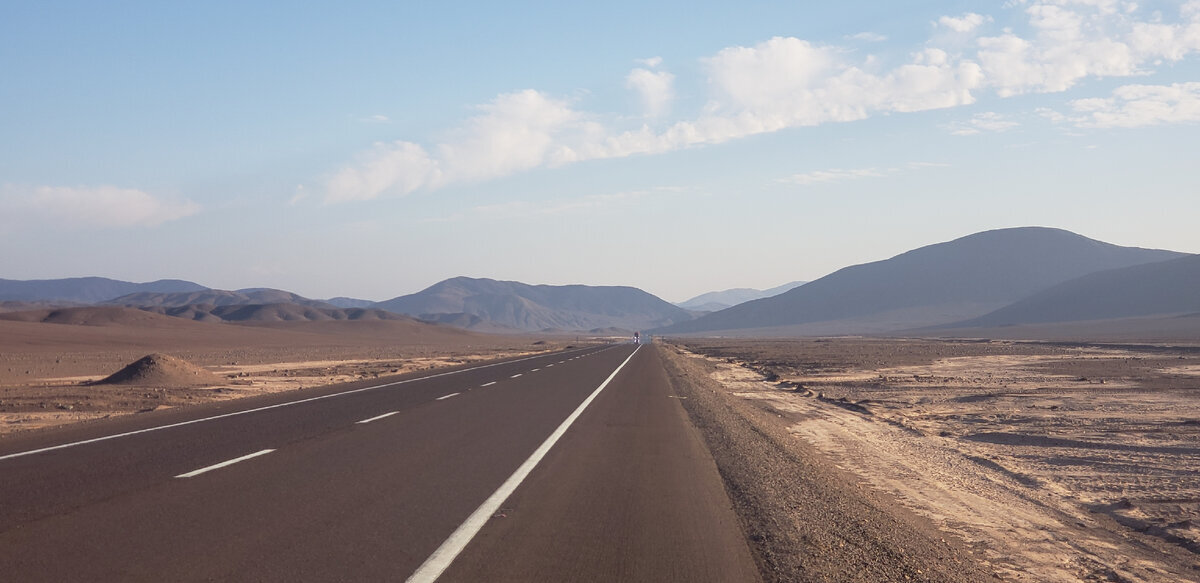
x=371 y=149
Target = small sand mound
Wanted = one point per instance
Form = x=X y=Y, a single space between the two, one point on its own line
x=162 y=370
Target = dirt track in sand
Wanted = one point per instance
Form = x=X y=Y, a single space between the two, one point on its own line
x=1055 y=463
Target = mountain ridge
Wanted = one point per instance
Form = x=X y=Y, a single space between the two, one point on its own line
x=1169 y=287
x=87 y=290
x=931 y=285
x=538 y=307
x=719 y=300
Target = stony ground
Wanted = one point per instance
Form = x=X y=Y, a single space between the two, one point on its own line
x=1053 y=462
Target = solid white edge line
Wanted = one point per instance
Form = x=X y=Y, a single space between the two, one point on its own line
x=225 y=463
x=444 y=397
x=377 y=417
x=257 y=409
x=440 y=560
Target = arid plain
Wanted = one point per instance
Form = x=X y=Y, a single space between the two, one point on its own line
x=1024 y=460
x=53 y=362
x=1052 y=461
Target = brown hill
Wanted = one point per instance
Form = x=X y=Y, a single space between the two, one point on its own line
x=161 y=370
x=280 y=312
x=215 y=297
x=93 y=316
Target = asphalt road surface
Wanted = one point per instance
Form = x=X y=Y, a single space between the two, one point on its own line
x=572 y=466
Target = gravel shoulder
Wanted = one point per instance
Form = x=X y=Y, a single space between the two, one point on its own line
x=1047 y=462
x=806 y=519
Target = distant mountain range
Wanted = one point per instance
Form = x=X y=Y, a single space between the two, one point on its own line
x=86 y=290
x=719 y=300
x=476 y=304
x=344 y=302
x=214 y=297
x=1014 y=279
x=933 y=285
x=538 y=307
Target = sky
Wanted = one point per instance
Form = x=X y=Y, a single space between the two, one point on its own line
x=372 y=149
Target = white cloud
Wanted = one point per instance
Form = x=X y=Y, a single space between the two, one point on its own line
x=787 y=82
x=654 y=88
x=1078 y=39
x=870 y=37
x=95 y=206
x=515 y=132
x=835 y=175
x=989 y=121
x=399 y=168
x=965 y=23
x=1133 y=106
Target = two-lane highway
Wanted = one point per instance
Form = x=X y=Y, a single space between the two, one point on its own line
x=352 y=483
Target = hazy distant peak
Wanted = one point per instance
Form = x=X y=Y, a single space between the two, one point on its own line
x=86 y=290
x=720 y=300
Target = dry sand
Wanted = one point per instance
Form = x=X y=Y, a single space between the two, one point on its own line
x=49 y=371
x=1056 y=463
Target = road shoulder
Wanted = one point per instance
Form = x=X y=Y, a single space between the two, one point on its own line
x=807 y=520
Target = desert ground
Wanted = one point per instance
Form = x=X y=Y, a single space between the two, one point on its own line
x=1050 y=462
x=53 y=369
x=961 y=460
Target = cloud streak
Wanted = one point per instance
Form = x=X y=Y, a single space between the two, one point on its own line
x=836 y=175
x=988 y=121
x=91 y=206
x=787 y=82
x=1135 y=106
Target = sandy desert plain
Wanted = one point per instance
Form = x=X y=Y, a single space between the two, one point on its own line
x=1051 y=461
x=1048 y=461
x=53 y=361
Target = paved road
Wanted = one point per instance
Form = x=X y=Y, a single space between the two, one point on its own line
x=378 y=482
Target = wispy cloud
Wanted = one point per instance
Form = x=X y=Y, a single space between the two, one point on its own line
x=965 y=23
x=870 y=37
x=988 y=121
x=835 y=175
x=1135 y=106
x=526 y=209
x=92 y=206
x=786 y=82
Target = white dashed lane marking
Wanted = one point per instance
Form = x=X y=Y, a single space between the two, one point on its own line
x=378 y=417
x=224 y=464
